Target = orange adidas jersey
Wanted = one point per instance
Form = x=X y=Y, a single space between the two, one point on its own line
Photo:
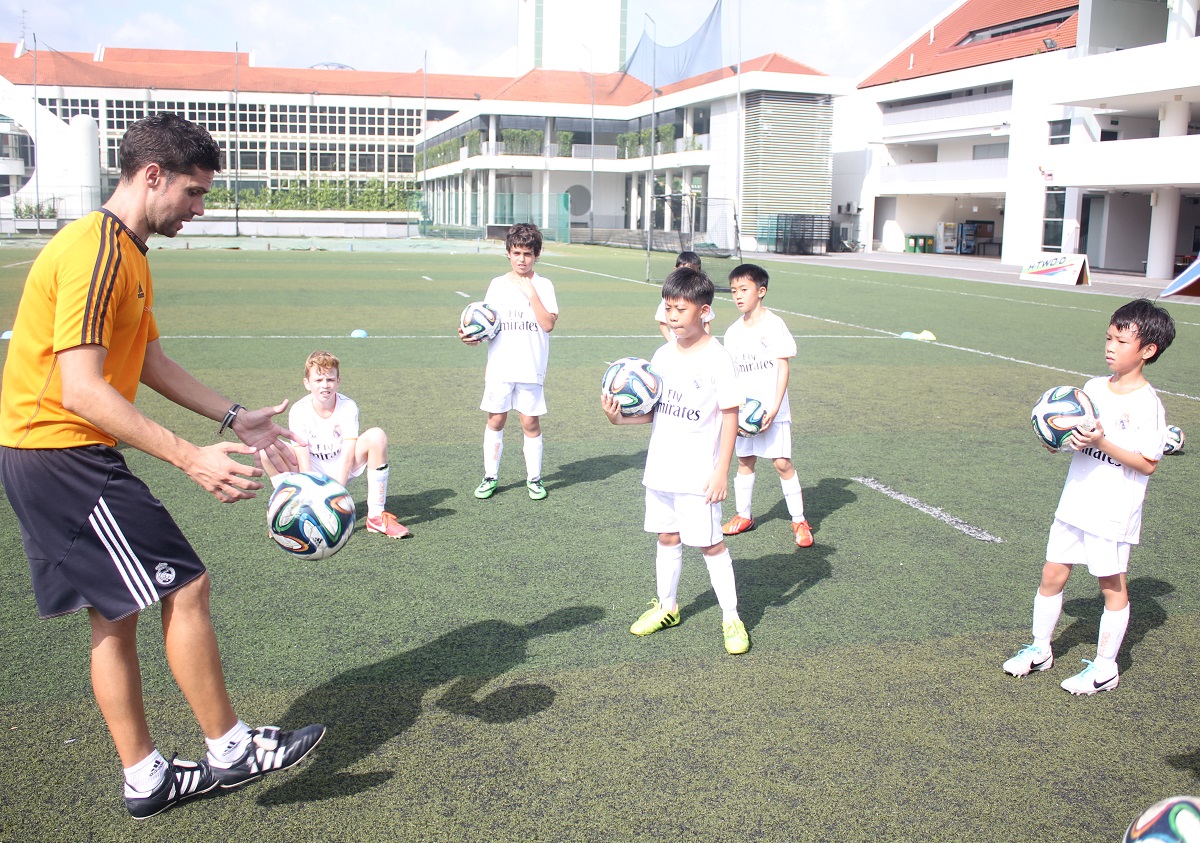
x=89 y=286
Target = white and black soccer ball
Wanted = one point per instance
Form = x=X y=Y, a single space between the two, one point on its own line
x=1058 y=412
x=1173 y=442
x=310 y=515
x=750 y=417
x=634 y=384
x=480 y=321
x=1174 y=820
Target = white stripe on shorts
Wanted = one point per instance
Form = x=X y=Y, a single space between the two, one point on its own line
x=140 y=586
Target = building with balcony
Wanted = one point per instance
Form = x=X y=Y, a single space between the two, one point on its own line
x=1048 y=125
x=602 y=153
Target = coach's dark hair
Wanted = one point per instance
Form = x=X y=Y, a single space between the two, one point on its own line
x=753 y=271
x=1152 y=323
x=688 y=284
x=524 y=234
x=173 y=143
x=687 y=259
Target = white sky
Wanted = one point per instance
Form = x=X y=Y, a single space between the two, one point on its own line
x=838 y=37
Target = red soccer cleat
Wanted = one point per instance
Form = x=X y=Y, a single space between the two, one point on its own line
x=737 y=524
x=387 y=525
x=804 y=537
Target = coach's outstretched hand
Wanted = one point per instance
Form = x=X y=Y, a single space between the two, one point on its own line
x=220 y=475
x=268 y=440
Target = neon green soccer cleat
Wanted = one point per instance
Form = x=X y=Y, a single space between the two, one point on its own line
x=737 y=640
x=654 y=619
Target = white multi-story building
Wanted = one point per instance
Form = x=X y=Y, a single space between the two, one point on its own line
x=1038 y=126
x=737 y=152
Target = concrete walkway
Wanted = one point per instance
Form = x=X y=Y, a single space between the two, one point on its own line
x=990 y=270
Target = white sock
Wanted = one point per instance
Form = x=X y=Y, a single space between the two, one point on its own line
x=1112 y=632
x=743 y=493
x=533 y=457
x=493 y=447
x=230 y=746
x=668 y=567
x=145 y=775
x=720 y=574
x=1045 y=617
x=793 y=497
x=377 y=480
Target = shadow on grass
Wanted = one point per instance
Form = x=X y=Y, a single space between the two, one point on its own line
x=368 y=706
x=1145 y=614
x=780 y=578
x=421 y=508
x=1189 y=762
x=594 y=468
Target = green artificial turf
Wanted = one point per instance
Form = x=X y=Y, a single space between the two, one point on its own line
x=479 y=679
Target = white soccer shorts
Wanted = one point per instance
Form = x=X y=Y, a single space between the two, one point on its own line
x=1069 y=545
x=697 y=522
x=528 y=399
x=774 y=443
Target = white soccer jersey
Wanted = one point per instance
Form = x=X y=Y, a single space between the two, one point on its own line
x=325 y=436
x=521 y=350
x=686 y=437
x=756 y=351
x=1102 y=496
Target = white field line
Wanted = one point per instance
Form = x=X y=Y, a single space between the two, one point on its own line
x=939 y=514
x=965 y=349
x=464 y=295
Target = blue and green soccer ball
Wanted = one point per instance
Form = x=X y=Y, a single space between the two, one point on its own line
x=635 y=385
x=310 y=516
x=1058 y=412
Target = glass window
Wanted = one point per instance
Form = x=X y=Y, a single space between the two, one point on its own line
x=1060 y=131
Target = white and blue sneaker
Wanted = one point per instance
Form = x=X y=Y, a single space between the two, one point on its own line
x=1031 y=657
x=1088 y=681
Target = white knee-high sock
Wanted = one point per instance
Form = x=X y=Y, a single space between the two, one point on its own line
x=793 y=497
x=1045 y=617
x=720 y=574
x=493 y=447
x=743 y=493
x=533 y=457
x=1112 y=632
x=668 y=567
x=377 y=480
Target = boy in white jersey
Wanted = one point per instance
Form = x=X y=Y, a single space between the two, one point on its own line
x=335 y=446
x=687 y=462
x=690 y=259
x=1099 y=514
x=761 y=346
x=517 y=358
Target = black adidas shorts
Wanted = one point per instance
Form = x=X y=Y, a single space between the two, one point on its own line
x=94 y=534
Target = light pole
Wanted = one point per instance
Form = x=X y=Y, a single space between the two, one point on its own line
x=649 y=201
x=592 y=145
x=37 y=158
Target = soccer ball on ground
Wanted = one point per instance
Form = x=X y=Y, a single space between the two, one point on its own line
x=310 y=515
x=1058 y=412
x=750 y=417
x=480 y=321
x=1173 y=443
x=634 y=384
x=1174 y=820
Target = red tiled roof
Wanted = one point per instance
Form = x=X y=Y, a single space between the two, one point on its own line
x=215 y=71
x=943 y=55
x=194 y=70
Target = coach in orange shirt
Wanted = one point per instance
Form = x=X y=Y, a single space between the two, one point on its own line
x=96 y=538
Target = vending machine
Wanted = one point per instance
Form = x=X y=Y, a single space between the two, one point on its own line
x=945 y=238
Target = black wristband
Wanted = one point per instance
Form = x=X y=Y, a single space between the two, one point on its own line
x=229 y=417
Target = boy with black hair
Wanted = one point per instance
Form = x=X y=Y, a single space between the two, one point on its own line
x=1099 y=515
x=517 y=359
x=687 y=462
x=692 y=261
x=761 y=346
